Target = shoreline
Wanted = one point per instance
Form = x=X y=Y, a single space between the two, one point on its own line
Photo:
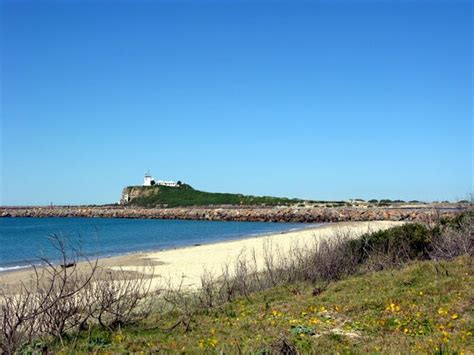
x=19 y=267
x=184 y=266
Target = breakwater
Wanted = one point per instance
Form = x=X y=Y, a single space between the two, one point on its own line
x=250 y=214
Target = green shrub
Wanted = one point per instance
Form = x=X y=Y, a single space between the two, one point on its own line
x=398 y=244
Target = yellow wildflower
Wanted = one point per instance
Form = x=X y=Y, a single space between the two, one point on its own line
x=442 y=311
x=392 y=307
x=455 y=316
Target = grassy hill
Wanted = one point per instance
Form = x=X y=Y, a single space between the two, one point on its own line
x=187 y=196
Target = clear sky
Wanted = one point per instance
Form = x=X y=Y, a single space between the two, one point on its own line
x=317 y=100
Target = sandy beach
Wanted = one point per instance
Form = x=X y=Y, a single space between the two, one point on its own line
x=185 y=266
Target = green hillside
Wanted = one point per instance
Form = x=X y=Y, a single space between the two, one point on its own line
x=185 y=195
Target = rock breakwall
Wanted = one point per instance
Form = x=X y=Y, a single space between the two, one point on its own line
x=250 y=214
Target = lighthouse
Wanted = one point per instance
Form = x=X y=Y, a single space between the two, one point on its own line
x=148 y=180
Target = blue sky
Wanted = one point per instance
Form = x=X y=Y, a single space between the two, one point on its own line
x=317 y=100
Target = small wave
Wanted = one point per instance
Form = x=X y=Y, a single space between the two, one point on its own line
x=11 y=268
x=306 y=226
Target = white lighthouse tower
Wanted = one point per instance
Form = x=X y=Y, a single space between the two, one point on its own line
x=148 y=180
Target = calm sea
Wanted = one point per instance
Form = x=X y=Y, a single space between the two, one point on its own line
x=22 y=240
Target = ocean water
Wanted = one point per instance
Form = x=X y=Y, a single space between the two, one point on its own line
x=23 y=240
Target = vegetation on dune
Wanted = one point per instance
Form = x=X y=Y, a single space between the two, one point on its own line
x=414 y=309
x=405 y=289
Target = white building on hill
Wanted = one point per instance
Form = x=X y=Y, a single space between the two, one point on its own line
x=149 y=181
x=167 y=183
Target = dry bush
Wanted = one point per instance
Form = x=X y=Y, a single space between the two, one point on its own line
x=66 y=286
x=183 y=302
x=45 y=304
x=64 y=297
x=240 y=280
x=325 y=260
x=331 y=260
x=18 y=314
x=208 y=294
x=455 y=239
x=284 y=267
x=121 y=298
x=246 y=277
x=66 y=313
x=270 y=263
x=227 y=287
